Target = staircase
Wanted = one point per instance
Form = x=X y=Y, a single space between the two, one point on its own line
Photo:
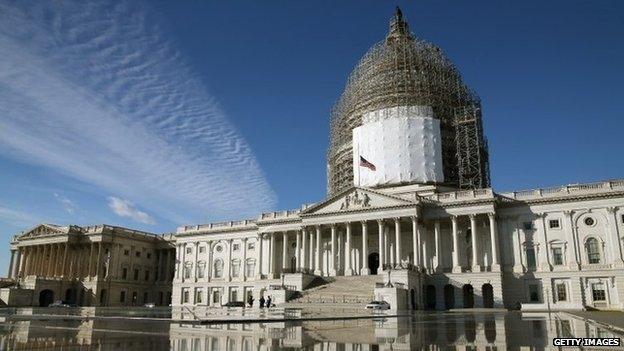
x=352 y=291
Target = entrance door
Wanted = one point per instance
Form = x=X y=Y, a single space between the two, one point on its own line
x=488 y=295
x=46 y=297
x=373 y=262
x=468 y=296
x=449 y=296
x=430 y=297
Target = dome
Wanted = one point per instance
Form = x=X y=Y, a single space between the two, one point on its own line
x=401 y=70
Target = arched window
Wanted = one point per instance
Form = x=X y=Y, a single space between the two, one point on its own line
x=218 y=268
x=593 y=250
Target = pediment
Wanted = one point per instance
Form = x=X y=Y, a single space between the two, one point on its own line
x=43 y=230
x=355 y=199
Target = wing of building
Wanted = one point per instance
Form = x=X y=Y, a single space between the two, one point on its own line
x=409 y=218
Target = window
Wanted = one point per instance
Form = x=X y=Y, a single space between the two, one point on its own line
x=137 y=254
x=187 y=270
x=122 y=297
x=598 y=292
x=202 y=249
x=622 y=217
x=199 y=296
x=589 y=221
x=136 y=274
x=124 y=273
x=149 y=255
x=126 y=252
x=554 y=223
x=528 y=225
x=593 y=250
x=145 y=297
x=251 y=246
x=135 y=297
x=147 y=273
x=218 y=269
x=216 y=297
x=250 y=268
x=235 y=268
x=189 y=250
x=236 y=247
x=530 y=257
x=534 y=293
x=185 y=296
x=201 y=270
x=557 y=254
x=561 y=292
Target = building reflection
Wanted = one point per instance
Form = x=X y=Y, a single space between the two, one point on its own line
x=448 y=331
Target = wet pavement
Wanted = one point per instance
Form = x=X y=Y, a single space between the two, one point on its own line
x=142 y=329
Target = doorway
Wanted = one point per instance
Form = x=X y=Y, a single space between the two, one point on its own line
x=488 y=295
x=430 y=297
x=449 y=296
x=46 y=297
x=373 y=263
x=468 y=291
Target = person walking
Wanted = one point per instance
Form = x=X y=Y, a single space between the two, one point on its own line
x=261 y=301
x=250 y=300
x=268 y=302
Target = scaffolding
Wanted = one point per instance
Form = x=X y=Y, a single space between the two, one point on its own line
x=402 y=70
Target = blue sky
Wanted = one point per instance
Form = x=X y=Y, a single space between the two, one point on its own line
x=155 y=114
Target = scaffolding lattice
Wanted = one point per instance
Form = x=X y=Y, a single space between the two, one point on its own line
x=404 y=71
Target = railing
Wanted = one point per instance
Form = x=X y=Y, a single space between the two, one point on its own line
x=216 y=225
x=280 y=214
x=462 y=195
x=334 y=298
x=571 y=189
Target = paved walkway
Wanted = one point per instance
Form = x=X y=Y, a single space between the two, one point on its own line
x=609 y=319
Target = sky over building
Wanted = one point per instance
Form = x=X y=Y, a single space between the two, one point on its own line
x=155 y=114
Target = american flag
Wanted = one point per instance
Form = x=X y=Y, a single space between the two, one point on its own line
x=364 y=163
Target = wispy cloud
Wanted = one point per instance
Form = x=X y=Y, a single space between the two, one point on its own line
x=17 y=218
x=67 y=204
x=124 y=208
x=98 y=91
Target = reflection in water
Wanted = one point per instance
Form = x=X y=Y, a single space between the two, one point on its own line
x=454 y=331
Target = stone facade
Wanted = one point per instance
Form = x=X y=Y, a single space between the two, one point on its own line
x=89 y=266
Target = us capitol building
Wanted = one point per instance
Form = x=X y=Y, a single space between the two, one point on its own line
x=409 y=217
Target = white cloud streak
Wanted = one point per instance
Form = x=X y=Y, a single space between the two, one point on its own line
x=124 y=208
x=97 y=91
x=67 y=204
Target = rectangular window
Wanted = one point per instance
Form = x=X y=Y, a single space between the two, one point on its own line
x=528 y=225
x=236 y=247
x=250 y=268
x=122 y=297
x=199 y=296
x=251 y=246
x=136 y=274
x=185 y=296
x=124 y=273
x=235 y=269
x=126 y=252
x=149 y=255
x=189 y=250
x=202 y=249
x=145 y=297
x=557 y=253
x=554 y=223
x=534 y=293
x=187 y=272
x=147 y=273
x=134 y=297
x=216 y=297
x=562 y=292
x=530 y=257
x=201 y=271
x=598 y=292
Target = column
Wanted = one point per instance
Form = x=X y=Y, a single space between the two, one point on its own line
x=438 y=244
x=317 y=259
x=259 y=273
x=272 y=256
x=229 y=261
x=22 y=268
x=365 y=268
x=311 y=251
x=304 y=249
x=380 y=226
x=118 y=261
x=17 y=263
x=415 y=246
x=285 y=252
x=52 y=264
x=183 y=261
x=91 y=261
x=494 y=241
x=178 y=269
x=473 y=235
x=11 y=264
x=397 y=240
x=544 y=239
x=298 y=251
x=208 y=262
x=573 y=262
x=332 y=260
x=64 y=269
x=456 y=266
x=195 y=260
x=347 y=254
x=618 y=255
x=99 y=261
x=244 y=262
